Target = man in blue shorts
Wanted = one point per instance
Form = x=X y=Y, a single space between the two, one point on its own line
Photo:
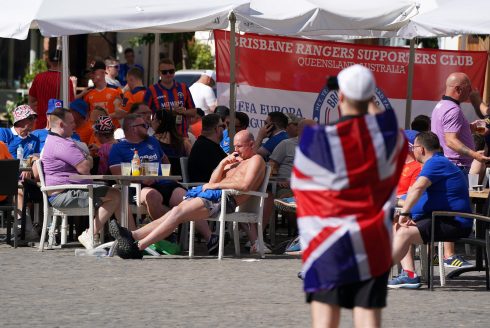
x=441 y=186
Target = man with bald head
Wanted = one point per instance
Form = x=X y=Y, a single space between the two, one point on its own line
x=450 y=125
x=243 y=170
x=455 y=136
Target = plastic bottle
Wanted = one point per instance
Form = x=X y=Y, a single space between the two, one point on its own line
x=98 y=252
x=136 y=164
x=20 y=152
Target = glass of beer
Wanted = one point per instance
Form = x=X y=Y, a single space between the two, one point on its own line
x=480 y=127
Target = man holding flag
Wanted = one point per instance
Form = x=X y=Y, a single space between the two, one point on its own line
x=344 y=180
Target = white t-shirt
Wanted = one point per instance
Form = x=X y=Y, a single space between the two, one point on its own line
x=203 y=96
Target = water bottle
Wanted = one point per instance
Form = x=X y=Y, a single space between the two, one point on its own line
x=98 y=252
x=20 y=153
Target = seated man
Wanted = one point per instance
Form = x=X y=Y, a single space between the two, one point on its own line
x=206 y=153
x=441 y=186
x=63 y=157
x=275 y=130
x=243 y=172
x=156 y=196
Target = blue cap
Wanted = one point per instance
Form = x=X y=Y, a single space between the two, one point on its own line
x=53 y=104
x=411 y=135
x=79 y=106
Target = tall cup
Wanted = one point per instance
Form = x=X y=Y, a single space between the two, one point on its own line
x=472 y=180
x=125 y=168
x=151 y=169
x=165 y=169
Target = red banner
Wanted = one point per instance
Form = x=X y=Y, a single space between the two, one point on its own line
x=302 y=65
x=267 y=66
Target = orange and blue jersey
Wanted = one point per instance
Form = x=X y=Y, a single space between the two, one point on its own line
x=131 y=97
x=158 y=97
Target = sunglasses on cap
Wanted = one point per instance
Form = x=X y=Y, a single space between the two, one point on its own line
x=167 y=71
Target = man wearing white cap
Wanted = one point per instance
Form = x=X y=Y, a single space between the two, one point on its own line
x=343 y=180
x=203 y=94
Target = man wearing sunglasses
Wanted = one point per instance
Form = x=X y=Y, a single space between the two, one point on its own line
x=112 y=71
x=171 y=96
x=157 y=196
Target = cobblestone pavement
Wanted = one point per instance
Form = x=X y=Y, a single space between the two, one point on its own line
x=57 y=289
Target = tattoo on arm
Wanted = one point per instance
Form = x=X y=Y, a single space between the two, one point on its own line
x=465 y=150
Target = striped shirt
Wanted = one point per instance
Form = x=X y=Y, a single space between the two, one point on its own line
x=159 y=97
x=46 y=86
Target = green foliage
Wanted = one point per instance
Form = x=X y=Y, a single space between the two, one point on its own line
x=200 y=56
x=38 y=66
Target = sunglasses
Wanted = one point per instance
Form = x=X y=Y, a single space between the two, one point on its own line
x=115 y=66
x=144 y=125
x=167 y=71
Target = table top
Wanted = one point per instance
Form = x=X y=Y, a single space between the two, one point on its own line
x=25 y=169
x=480 y=194
x=124 y=177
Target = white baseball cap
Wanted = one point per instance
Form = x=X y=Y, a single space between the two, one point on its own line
x=211 y=74
x=357 y=83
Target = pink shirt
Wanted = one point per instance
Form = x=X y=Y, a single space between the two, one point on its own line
x=447 y=116
x=59 y=158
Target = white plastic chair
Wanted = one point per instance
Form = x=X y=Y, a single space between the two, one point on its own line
x=51 y=213
x=249 y=212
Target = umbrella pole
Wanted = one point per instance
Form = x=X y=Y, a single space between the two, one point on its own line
x=65 y=71
x=231 y=127
x=408 y=107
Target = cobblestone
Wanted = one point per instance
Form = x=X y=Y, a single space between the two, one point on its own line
x=57 y=289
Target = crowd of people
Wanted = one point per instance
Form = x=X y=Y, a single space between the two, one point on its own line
x=427 y=168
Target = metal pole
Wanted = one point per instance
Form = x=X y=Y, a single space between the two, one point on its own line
x=231 y=127
x=65 y=71
x=156 y=58
x=411 y=62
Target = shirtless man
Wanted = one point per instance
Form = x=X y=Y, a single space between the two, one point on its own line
x=243 y=170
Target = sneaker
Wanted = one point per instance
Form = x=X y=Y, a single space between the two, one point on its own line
x=213 y=245
x=403 y=281
x=294 y=246
x=127 y=247
x=456 y=261
x=86 y=240
x=255 y=248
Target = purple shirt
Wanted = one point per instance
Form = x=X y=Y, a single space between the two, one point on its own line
x=447 y=116
x=59 y=157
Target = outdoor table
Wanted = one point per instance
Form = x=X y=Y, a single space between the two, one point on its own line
x=480 y=198
x=124 y=181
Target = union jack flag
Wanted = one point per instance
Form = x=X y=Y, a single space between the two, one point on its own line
x=344 y=178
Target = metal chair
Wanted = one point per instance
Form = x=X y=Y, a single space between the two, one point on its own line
x=480 y=239
x=9 y=169
x=249 y=212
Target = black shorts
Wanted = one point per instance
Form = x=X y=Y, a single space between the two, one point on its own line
x=445 y=229
x=369 y=293
x=165 y=190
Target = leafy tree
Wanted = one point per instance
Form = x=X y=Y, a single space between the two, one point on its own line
x=200 y=56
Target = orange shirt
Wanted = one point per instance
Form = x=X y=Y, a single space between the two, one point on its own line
x=409 y=175
x=196 y=128
x=131 y=97
x=104 y=98
x=4 y=154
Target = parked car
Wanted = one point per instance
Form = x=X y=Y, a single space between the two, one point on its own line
x=189 y=76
